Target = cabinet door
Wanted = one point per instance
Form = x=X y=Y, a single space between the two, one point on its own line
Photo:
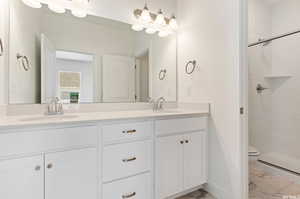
x=194 y=159
x=22 y=178
x=169 y=166
x=71 y=174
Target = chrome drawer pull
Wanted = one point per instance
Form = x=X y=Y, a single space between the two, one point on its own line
x=129 y=160
x=129 y=195
x=129 y=131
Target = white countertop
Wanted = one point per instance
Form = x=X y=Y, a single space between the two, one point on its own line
x=16 y=121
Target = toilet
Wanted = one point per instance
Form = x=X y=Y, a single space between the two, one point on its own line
x=253 y=153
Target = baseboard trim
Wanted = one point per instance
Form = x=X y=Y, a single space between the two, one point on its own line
x=217 y=191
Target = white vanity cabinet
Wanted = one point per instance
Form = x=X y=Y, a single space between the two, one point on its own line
x=128 y=160
x=180 y=155
x=22 y=178
x=65 y=167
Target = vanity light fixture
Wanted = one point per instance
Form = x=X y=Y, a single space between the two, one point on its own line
x=145 y=16
x=32 y=3
x=160 y=19
x=173 y=23
x=80 y=8
x=152 y=23
x=55 y=7
x=77 y=7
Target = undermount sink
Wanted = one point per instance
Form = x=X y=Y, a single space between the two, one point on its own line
x=52 y=117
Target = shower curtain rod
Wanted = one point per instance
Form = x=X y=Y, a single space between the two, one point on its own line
x=273 y=38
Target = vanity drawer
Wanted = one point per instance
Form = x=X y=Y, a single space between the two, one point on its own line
x=138 y=187
x=124 y=160
x=172 y=126
x=36 y=141
x=127 y=131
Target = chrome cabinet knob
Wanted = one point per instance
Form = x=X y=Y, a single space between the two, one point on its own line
x=50 y=166
x=37 y=168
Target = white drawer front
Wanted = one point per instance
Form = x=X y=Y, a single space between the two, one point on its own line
x=128 y=131
x=126 y=159
x=138 y=187
x=165 y=127
x=45 y=140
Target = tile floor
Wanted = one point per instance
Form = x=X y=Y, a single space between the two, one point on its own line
x=264 y=185
x=197 y=195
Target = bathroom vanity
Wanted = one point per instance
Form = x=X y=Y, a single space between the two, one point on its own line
x=122 y=150
x=132 y=154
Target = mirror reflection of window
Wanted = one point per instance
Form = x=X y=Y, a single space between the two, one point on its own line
x=69 y=85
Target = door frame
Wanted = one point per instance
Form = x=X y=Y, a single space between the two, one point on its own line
x=243 y=96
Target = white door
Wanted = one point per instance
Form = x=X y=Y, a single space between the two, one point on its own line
x=49 y=77
x=169 y=173
x=22 y=178
x=194 y=160
x=118 y=78
x=71 y=174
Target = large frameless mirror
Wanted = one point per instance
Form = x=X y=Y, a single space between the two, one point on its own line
x=86 y=60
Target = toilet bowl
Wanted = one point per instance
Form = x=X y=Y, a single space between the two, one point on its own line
x=253 y=153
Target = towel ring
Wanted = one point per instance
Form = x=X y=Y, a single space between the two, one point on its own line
x=25 y=61
x=194 y=63
x=162 y=74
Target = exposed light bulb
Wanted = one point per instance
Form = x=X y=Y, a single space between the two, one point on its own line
x=32 y=3
x=79 y=13
x=160 y=19
x=173 y=23
x=56 y=8
x=145 y=16
x=151 y=30
x=137 y=27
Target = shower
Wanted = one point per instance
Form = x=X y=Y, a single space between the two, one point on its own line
x=273 y=94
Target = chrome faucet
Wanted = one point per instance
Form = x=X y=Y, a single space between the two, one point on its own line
x=55 y=107
x=157 y=104
x=160 y=103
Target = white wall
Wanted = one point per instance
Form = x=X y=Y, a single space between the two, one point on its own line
x=163 y=56
x=209 y=33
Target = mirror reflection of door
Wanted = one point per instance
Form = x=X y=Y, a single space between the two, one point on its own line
x=118 y=78
x=65 y=74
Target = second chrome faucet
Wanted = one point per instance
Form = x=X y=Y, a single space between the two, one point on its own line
x=158 y=104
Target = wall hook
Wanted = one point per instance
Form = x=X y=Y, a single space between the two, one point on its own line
x=162 y=74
